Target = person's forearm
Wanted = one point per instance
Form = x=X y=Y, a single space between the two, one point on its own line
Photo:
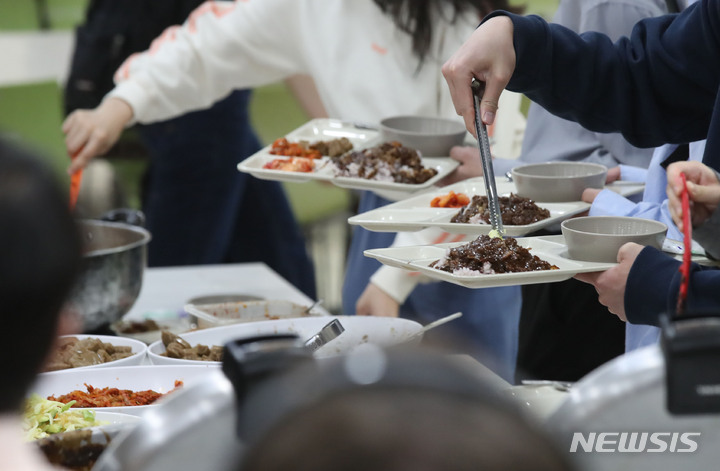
x=576 y=77
x=395 y=282
x=214 y=52
x=651 y=288
x=655 y=272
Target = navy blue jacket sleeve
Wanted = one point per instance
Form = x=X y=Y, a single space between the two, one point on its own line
x=657 y=86
x=654 y=283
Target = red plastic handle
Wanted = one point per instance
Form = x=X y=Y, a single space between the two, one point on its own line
x=687 y=254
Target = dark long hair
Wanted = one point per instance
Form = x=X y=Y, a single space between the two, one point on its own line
x=415 y=16
x=40 y=262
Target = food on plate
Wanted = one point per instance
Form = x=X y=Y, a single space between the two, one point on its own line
x=76 y=450
x=490 y=255
x=110 y=397
x=43 y=417
x=282 y=146
x=294 y=164
x=450 y=200
x=515 y=211
x=389 y=162
x=315 y=150
x=177 y=347
x=72 y=352
x=333 y=147
x=137 y=327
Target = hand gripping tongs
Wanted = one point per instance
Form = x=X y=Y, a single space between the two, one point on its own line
x=690 y=342
x=478 y=88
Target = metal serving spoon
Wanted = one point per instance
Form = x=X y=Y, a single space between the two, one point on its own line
x=432 y=325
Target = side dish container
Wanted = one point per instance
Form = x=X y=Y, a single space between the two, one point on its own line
x=215 y=315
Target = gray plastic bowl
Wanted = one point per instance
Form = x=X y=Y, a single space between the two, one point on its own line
x=558 y=181
x=598 y=238
x=433 y=137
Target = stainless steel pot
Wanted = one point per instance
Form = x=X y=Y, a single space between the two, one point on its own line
x=115 y=257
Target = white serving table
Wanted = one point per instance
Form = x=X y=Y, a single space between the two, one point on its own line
x=168 y=289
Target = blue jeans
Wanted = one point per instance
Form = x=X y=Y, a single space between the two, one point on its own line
x=201 y=210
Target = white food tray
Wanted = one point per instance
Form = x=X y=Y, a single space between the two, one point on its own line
x=552 y=249
x=415 y=213
x=326 y=129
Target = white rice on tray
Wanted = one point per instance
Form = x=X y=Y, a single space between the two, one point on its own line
x=384 y=172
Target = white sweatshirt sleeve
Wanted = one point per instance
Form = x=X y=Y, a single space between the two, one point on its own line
x=398 y=283
x=222 y=46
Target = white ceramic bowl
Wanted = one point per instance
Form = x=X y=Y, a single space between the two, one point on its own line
x=115 y=418
x=138 y=349
x=557 y=181
x=382 y=331
x=160 y=379
x=432 y=136
x=598 y=238
x=539 y=400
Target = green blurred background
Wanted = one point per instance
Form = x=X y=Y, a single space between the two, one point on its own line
x=32 y=112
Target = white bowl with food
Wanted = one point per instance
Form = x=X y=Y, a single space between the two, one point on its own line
x=381 y=331
x=225 y=313
x=43 y=418
x=79 y=448
x=148 y=328
x=73 y=384
x=558 y=181
x=94 y=351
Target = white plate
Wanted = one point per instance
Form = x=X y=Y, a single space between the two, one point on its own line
x=326 y=129
x=314 y=130
x=383 y=331
x=137 y=358
x=254 y=166
x=415 y=213
x=136 y=378
x=549 y=248
x=626 y=188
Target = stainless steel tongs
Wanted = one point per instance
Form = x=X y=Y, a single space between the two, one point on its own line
x=331 y=330
x=478 y=88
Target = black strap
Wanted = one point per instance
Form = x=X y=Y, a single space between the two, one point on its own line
x=681 y=153
x=672 y=6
